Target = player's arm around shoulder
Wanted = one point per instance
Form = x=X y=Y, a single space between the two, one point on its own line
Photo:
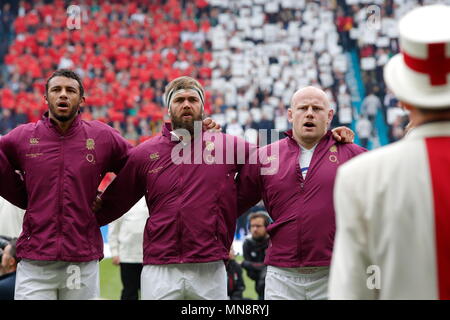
x=350 y=151
x=11 y=143
x=119 y=149
x=126 y=189
x=249 y=186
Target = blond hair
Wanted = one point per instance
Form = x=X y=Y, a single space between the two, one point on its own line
x=183 y=83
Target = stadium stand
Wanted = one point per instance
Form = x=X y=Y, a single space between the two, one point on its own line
x=125 y=54
x=251 y=55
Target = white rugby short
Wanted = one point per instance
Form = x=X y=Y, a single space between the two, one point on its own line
x=185 y=281
x=296 y=283
x=57 y=280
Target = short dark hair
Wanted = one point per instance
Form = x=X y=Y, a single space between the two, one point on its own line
x=68 y=74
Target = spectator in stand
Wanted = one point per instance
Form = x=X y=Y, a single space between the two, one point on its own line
x=7 y=121
x=6 y=24
x=234 y=128
x=370 y=106
x=364 y=130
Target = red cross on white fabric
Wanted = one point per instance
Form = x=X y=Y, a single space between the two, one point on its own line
x=437 y=65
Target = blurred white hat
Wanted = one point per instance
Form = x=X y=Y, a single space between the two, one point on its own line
x=420 y=74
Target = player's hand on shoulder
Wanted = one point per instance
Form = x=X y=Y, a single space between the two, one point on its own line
x=210 y=125
x=343 y=134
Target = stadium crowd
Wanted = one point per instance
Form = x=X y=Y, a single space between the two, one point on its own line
x=250 y=55
x=153 y=42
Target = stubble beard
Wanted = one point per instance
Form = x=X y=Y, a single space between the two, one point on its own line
x=64 y=118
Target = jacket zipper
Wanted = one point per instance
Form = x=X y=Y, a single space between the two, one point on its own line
x=179 y=227
x=60 y=195
x=302 y=185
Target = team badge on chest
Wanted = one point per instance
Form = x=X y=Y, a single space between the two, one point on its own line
x=90 y=144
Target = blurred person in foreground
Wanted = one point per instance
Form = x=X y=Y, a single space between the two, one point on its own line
x=393 y=204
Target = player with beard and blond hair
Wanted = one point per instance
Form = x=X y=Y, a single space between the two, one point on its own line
x=192 y=204
x=179 y=90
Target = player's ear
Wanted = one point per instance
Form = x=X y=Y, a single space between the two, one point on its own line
x=289 y=114
x=330 y=115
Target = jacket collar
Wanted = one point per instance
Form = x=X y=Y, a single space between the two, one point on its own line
x=431 y=129
x=167 y=128
x=49 y=123
x=168 y=132
x=326 y=137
